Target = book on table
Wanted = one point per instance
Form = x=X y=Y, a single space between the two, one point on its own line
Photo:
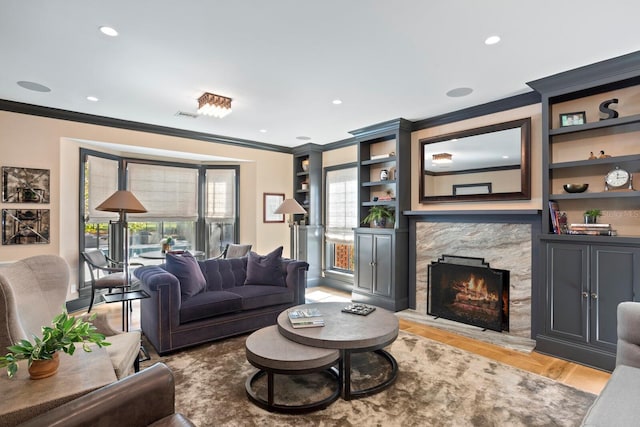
x=305 y=318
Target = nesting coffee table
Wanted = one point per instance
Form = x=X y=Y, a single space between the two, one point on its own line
x=347 y=333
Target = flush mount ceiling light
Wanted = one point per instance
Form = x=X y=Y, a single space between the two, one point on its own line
x=108 y=31
x=441 y=158
x=214 y=105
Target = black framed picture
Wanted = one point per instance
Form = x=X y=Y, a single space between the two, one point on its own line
x=271 y=202
x=25 y=226
x=572 y=119
x=25 y=185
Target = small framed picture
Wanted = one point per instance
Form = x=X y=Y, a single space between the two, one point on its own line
x=271 y=202
x=572 y=119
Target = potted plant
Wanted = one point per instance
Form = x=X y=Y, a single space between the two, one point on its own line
x=591 y=216
x=167 y=242
x=63 y=335
x=378 y=215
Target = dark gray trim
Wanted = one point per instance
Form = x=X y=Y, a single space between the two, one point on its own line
x=498 y=106
x=384 y=128
x=302 y=150
x=618 y=68
x=55 y=113
x=339 y=144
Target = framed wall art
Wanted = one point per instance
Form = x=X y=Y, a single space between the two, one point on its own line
x=25 y=185
x=271 y=202
x=25 y=226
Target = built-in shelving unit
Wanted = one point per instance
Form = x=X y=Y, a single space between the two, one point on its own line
x=384 y=154
x=307 y=190
x=586 y=276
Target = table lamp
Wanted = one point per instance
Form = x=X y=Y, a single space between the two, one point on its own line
x=292 y=207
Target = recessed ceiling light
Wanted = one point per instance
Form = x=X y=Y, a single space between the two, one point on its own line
x=459 y=91
x=36 y=87
x=492 y=40
x=505 y=157
x=337 y=101
x=303 y=138
x=263 y=130
x=109 y=31
x=92 y=99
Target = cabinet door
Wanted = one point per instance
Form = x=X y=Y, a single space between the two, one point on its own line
x=615 y=277
x=567 y=291
x=364 y=262
x=383 y=264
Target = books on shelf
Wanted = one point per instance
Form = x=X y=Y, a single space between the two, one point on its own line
x=305 y=318
x=554 y=215
x=592 y=229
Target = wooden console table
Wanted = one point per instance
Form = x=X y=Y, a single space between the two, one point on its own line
x=24 y=398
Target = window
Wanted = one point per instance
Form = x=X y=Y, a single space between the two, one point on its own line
x=171 y=194
x=341 y=207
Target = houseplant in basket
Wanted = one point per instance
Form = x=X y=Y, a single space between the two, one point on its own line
x=63 y=334
x=379 y=216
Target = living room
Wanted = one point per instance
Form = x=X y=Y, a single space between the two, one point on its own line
x=36 y=132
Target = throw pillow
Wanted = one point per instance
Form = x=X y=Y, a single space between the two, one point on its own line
x=187 y=270
x=265 y=269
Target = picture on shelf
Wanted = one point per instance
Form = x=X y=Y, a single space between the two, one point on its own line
x=573 y=119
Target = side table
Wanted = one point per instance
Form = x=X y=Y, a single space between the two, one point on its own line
x=24 y=398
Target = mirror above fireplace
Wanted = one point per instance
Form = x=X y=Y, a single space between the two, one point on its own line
x=486 y=163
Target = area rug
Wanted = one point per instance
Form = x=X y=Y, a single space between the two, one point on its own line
x=437 y=385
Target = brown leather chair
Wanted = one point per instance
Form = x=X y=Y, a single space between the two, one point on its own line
x=142 y=399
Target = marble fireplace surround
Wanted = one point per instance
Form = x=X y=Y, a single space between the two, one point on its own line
x=505 y=239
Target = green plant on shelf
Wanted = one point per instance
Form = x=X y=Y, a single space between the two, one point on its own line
x=379 y=216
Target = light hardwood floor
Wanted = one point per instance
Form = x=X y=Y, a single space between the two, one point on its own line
x=572 y=374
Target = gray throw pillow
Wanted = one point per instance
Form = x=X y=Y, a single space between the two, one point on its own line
x=186 y=269
x=265 y=269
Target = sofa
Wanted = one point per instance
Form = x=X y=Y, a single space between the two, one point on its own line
x=617 y=404
x=193 y=302
x=143 y=399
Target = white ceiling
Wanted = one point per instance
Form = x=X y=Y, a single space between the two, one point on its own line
x=284 y=61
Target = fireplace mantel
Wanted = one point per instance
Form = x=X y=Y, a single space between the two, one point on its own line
x=471 y=212
x=512 y=241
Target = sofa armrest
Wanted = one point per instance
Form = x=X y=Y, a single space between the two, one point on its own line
x=628 y=351
x=296 y=279
x=137 y=400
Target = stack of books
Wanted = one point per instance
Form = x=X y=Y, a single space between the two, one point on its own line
x=305 y=318
x=592 y=229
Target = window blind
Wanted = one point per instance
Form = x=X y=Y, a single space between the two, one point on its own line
x=341 y=209
x=220 y=194
x=102 y=181
x=167 y=192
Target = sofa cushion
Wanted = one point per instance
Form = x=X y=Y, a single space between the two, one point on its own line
x=187 y=270
x=265 y=269
x=224 y=273
x=209 y=304
x=257 y=296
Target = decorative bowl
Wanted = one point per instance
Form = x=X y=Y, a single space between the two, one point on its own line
x=575 y=188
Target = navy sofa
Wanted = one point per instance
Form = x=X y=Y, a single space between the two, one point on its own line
x=175 y=316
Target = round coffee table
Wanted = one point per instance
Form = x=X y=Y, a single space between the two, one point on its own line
x=349 y=333
x=272 y=354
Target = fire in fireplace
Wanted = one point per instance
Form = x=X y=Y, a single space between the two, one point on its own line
x=468 y=290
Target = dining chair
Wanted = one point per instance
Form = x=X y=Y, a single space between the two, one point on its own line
x=106 y=273
x=233 y=250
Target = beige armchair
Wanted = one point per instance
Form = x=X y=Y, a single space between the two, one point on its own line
x=33 y=291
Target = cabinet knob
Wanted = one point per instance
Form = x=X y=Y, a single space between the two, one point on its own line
x=594 y=295
x=585 y=294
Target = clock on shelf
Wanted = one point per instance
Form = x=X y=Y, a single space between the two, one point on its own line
x=618 y=179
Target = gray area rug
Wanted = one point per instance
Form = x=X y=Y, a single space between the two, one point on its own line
x=437 y=385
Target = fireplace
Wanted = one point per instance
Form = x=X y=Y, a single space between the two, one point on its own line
x=468 y=290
